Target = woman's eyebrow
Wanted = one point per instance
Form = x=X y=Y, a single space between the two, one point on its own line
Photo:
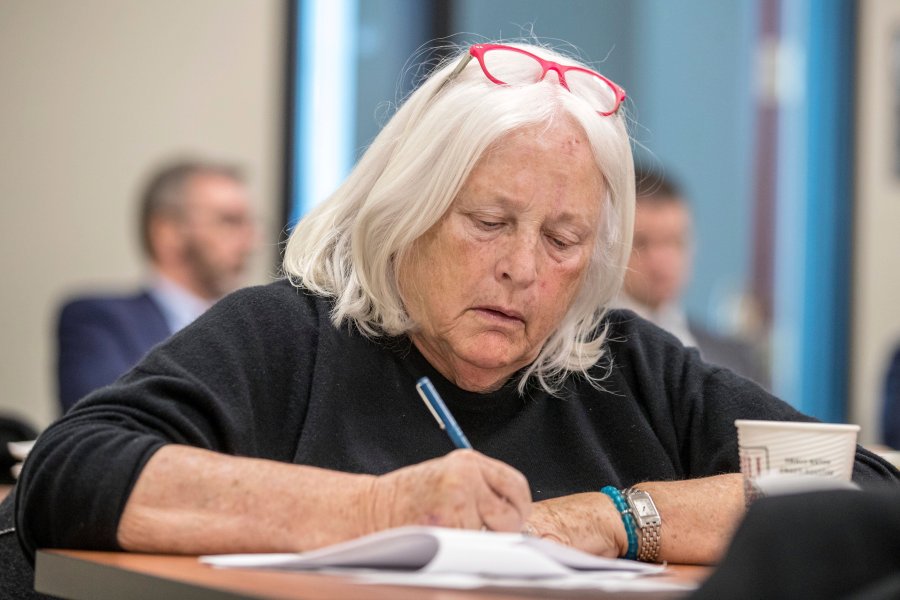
x=575 y=219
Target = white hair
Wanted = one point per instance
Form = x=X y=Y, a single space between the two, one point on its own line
x=349 y=246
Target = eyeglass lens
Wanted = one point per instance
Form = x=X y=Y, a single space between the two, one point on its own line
x=512 y=67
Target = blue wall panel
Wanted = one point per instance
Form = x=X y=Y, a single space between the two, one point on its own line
x=815 y=207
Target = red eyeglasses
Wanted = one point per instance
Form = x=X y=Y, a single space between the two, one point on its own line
x=508 y=65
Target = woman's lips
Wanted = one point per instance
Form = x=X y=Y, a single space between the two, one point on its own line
x=504 y=314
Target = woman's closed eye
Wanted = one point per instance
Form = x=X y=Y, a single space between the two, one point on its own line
x=487 y=224
x=559 y=242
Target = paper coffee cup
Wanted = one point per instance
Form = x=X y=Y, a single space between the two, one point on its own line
x=789 y=448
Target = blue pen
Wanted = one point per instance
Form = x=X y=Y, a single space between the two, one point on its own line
x=441 y=414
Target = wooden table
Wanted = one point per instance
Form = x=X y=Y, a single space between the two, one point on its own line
x=83 y=575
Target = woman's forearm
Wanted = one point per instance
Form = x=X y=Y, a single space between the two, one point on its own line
x=699 y=517
x=194 y=501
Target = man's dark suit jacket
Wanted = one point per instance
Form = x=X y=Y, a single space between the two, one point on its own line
x=891 y=418
x=101 y=337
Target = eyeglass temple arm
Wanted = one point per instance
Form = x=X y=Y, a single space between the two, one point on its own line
x=459 y=67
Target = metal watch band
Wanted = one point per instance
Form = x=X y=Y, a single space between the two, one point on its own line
x=649 y=538
x=648 y=546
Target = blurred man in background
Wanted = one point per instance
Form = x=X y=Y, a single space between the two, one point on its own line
x=197 y=232
x=659 y=271
x=890 y=421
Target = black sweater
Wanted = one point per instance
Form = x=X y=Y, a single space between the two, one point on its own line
x=265 y=374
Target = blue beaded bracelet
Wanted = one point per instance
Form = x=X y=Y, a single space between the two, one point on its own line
x=627 y=519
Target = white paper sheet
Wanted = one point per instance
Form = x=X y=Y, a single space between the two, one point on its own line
x=441 y=551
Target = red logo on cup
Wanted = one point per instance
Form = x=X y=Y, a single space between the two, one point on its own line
x=754 y=460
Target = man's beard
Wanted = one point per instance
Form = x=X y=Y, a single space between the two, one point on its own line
x=214 y=280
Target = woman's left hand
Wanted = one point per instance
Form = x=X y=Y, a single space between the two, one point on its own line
x=587 y=521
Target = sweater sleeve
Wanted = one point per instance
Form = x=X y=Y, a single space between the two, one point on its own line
x=692 y=405
x=231 y=382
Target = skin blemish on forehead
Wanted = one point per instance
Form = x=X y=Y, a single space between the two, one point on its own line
x=571 y=145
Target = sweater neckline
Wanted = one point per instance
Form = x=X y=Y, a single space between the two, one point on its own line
x=502 y=402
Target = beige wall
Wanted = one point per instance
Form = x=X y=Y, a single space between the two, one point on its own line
x=92 y=94
x=876 y=294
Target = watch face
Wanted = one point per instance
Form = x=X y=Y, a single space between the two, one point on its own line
x=644 y=510
x=643 y=507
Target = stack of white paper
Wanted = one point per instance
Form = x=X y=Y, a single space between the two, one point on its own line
x=440 y=557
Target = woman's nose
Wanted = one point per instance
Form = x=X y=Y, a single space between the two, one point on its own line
x=518 y=260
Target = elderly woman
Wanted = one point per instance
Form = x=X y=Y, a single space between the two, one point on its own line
x=477 y=242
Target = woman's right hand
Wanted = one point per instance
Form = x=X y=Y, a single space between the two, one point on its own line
x=463 y=489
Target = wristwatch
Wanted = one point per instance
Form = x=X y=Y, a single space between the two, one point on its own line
x=647 y=518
